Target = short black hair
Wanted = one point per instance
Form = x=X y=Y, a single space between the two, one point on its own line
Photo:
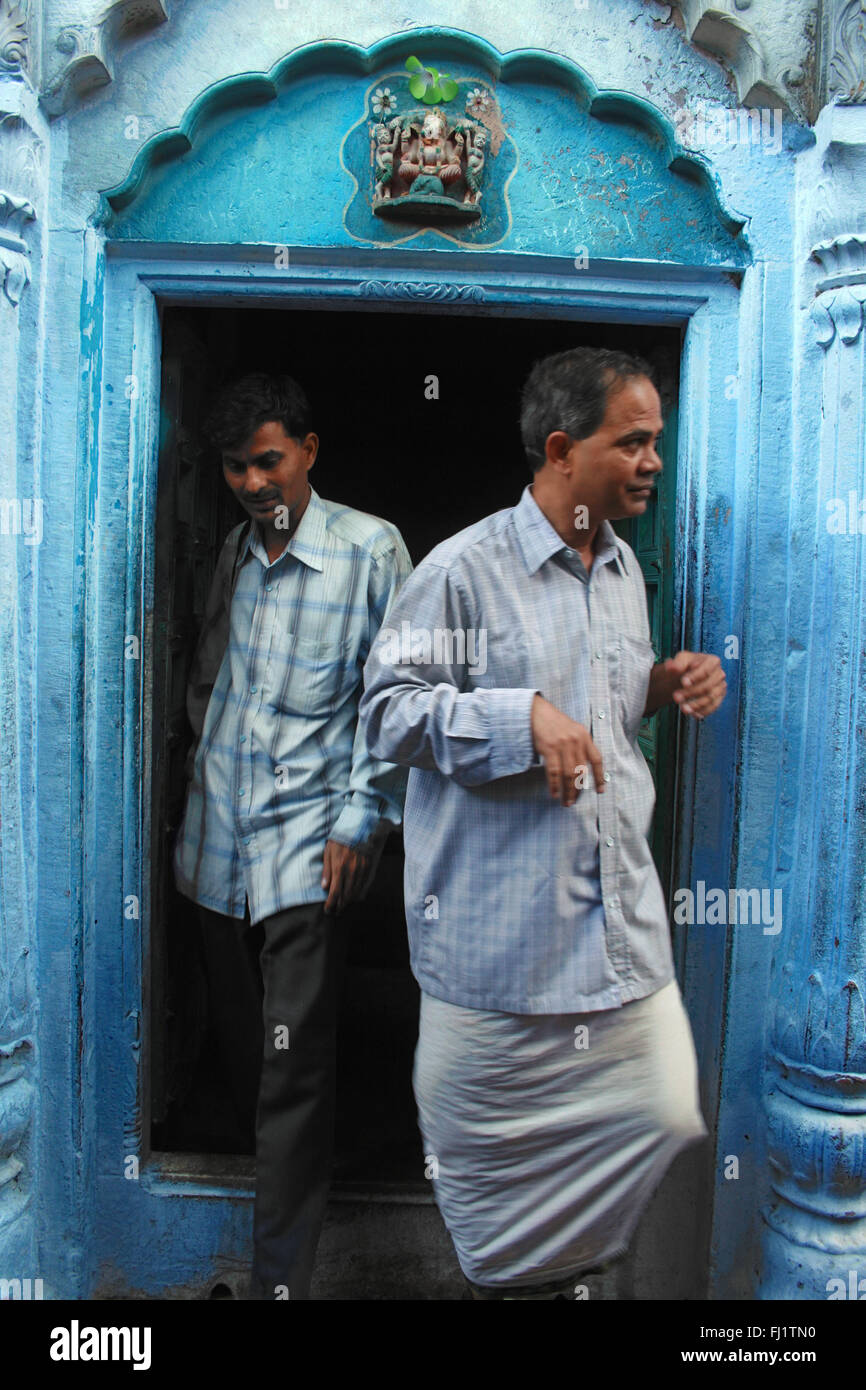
x=569 y=391
x=239 y=407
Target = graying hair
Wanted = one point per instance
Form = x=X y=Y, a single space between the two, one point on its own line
x=569 y=391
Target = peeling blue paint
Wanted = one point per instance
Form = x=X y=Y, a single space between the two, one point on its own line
x=772 y=790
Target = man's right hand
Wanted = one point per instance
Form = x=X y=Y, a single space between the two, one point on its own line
x=566 y=749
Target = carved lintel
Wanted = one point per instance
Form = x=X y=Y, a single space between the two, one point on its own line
x=412 y=289
x=840 y=302
x=85 y=50
x=13 y=36
x=846 y=77
x=14 y=253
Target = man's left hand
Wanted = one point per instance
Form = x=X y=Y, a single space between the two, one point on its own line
x=698 y=682
x=345 y=874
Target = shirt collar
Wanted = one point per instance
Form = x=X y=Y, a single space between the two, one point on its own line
x=538 y=540
x=308 y=541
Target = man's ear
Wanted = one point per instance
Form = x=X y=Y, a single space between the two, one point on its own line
x=557 y=447
x=311 y=445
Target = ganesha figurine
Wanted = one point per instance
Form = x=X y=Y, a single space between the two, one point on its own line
x=427 y=168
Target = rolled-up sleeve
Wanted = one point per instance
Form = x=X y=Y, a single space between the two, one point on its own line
x=415 y=710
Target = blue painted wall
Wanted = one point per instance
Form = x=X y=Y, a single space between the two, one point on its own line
x=171 y=184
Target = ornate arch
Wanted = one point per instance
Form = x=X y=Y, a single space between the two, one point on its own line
x=248 y=90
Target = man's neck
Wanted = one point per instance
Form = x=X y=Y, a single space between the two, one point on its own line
x=274 y=538
x=561 y=517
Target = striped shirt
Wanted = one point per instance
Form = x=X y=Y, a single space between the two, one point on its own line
x=514 y=902
x=280 y=767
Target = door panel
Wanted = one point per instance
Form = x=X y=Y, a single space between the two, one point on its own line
x=651 y=538
x=195 y=511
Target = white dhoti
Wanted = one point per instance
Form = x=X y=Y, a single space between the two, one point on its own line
x=546 y=1142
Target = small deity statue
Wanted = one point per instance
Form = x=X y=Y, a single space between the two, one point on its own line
x=439 y=160
x=431 y=160
x=423 y=165
x=474 y=167
x=386 y=142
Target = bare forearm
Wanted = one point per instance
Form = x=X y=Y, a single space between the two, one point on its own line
x=662 y=684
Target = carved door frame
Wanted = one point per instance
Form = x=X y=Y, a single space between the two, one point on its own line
x=138 y=1196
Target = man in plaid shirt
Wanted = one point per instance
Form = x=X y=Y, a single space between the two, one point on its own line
x=286 y=810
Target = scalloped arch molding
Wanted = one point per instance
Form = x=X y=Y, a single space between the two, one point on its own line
x=641 y=180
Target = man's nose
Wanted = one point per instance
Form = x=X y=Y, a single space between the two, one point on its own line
x=255 y=482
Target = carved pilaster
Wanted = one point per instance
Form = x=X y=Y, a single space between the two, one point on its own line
x=815 y=1236
x=16 y=1114
x=22 y=190
x=845 y=48
x=14 y=254
x=838 y=307
x=817 y=1116
x=13 y=37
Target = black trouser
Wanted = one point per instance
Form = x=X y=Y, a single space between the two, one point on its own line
x=288 y=1058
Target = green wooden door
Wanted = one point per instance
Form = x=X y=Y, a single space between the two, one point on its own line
x=651 y=537
x=195 y=511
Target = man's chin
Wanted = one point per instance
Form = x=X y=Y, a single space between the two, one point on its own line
x=633 y=505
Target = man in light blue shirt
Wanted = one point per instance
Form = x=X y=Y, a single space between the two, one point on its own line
x=511 y=678
x=286 y=811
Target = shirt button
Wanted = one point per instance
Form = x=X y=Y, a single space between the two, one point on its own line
x=569 y=553
x=243 y=738
x=601 y=714
x=598 y=656
x=609 y=842
x=253 y=689
x=607 y=777
x=269 y=587
x=247 y=842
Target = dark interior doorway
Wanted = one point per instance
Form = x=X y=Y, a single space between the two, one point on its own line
x=431 y=466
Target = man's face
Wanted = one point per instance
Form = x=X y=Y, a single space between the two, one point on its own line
x=614 y=470
x=269 y=469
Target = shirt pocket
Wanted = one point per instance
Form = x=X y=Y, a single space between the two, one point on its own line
x=313 y=675
x=636 y=660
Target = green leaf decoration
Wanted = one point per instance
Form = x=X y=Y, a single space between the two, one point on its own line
x=427 y=85
x=420 y=84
